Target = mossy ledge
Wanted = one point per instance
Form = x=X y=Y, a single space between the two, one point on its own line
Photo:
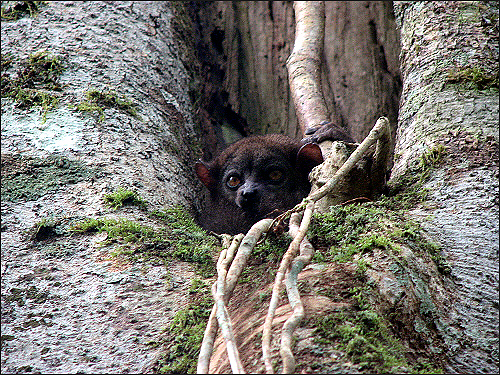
x=123 y=197
x=181 y=238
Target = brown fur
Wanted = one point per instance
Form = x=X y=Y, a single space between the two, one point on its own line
x=231 y=210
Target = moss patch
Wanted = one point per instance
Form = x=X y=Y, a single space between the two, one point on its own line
x=473 y=78
x=28 y=178
x=125 y=197
x=13 y=10
x=366 y=338
x=186 y=333
x=95 y=101
x=358 y=229
x=35 y=81
x=408 y=190
x=192 y=244
x=181 y=238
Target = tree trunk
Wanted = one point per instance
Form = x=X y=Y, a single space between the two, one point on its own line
x=67 y=304
x=444 y=103
x=250 y=42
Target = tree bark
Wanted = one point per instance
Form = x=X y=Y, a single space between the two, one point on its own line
x=250 y=42
x=67 y=305
x=91 y=313
x=438 y=40
x=304 y=65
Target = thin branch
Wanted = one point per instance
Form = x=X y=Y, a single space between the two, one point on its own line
x=285 y=263
x=212 y=325
x=381 y=129
x=225 y=258
x=304 y=63
x=244 y=245
x=291 y=280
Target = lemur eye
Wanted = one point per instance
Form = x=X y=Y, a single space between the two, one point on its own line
x=275 y=175
x=233 y=181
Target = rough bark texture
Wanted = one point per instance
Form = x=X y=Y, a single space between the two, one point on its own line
x=440 y=40
x=67 y=305
x=362 y=64
x=246 y=44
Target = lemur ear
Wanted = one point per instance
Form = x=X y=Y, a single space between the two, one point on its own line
x=309 y=156
x=205 y=175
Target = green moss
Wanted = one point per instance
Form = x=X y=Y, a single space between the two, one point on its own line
x=408 y=190
x=272 y=249
x=34 y=82
x=13 y=10
x=119 y=230
x=41 y=70
x=96 y=100
x=123 y=197
x=28 y=178
x=345 y=230
x=187 y=330
x=473 y=78
x=432 y=157
x=181 y=239
x=364 y=336
x=192 y=243
x=27 y=98
x=348 y=230
x=362 y=245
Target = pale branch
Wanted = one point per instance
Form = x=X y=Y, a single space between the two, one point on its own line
x=244 y=244
x=225 y=258
x=380 y=130
x=212 y=324
x=244 y=252
x=291 y=280
x=207 y=344
x=285 y=263
x=304 y=64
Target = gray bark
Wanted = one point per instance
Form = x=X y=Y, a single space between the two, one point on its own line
x=68 y=306
x=438 y=38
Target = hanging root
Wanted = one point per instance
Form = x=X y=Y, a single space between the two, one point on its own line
x=222 y=291
x=306 y=253
x=285 y=263
x=212 y=325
